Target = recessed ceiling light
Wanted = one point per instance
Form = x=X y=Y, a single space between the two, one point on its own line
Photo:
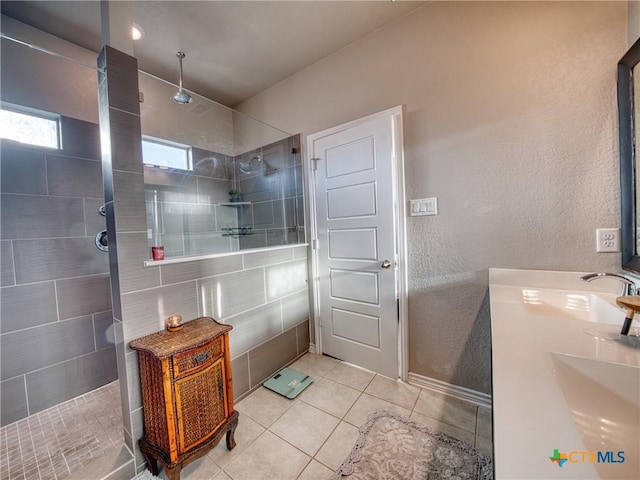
x=137 y=32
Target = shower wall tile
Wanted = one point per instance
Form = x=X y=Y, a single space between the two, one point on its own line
x=171 y=218
x=182 y=272
x=295 y=309
x=285 y=279
x=230 y=294
x=284 y=213
x=257 y=240
x=74 y=177
x=289 y=187
x=13 y=400
x=7 y=274
x=103 y=330
x=128 y=191
x=300 y=211
x=83 y=295
x=263 y=214
x=300 y=253
x=28 y=350
x=282 y=236
x=211 y=164
x=260 y=188
x=35 y=216
x=132 y=252
x=122 y=88
x=269 y=357
x=226 y=217
x=207 y=243
x=80 y=138
x=212 y=190
x=240 y=372
x=126 y=141
x=123 y=375
x=170 y=186
x=173 y=243
x=199 y=219
x=252 y=328
x=25 y=306
x=63 y=381
x=260 y=259
x=22 y=171
x=72 y=257
x=133 y=380
x=93 y=221
x=303 y=334
x=146 y=311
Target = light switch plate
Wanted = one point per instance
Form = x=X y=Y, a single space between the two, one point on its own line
x=423 y=206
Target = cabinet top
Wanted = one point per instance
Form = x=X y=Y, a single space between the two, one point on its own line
x=194 y=333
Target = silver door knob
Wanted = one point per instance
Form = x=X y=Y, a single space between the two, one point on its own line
x=386 y=264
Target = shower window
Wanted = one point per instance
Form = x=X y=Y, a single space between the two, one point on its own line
x=31 y=127
x=165 y=154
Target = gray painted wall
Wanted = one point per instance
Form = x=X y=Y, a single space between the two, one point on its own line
x=56 y=334
x=510 y=120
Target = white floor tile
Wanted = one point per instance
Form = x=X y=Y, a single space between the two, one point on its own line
x=330 y=397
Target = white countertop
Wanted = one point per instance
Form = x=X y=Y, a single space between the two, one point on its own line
x=540 y=323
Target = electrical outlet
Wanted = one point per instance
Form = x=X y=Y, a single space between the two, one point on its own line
x=608 y=240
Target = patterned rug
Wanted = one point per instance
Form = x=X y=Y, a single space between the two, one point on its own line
x=391 y=447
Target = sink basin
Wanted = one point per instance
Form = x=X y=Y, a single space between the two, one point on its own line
x=599 y=308
x=604 y=399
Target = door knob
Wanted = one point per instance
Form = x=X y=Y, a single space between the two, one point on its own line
x=386 y=264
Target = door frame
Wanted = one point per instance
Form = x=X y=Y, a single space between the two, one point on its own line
x=399 y=221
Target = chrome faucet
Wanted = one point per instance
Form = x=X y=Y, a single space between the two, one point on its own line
x=629 y=286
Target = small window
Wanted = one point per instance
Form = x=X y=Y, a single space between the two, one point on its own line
x=163 y=154
x=28 y=126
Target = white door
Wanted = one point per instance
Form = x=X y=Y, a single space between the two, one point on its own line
x=356 y=242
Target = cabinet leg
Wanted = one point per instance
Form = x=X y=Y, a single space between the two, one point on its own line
x=173 y=473
x=231 y=441
x=151 y=463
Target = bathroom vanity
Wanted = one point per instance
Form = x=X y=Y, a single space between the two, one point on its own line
x=566 y=384
x=187 y=393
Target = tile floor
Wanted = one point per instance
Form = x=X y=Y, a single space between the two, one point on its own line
x=309 y=437
x=56 y=442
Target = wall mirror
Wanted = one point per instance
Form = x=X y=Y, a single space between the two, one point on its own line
x=629 y=123
x=216 y=181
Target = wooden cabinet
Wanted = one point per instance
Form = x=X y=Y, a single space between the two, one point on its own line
x=187 y=393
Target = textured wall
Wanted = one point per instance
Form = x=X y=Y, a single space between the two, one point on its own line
x=56 y=330
x=510 y=120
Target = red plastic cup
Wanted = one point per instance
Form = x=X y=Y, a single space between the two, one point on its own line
x=157 y=253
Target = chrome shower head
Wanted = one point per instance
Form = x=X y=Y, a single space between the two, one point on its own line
x=181 y=97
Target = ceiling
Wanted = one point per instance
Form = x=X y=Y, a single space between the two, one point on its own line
x=234 y=49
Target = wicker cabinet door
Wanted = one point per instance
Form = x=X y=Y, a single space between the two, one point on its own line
x=201 y=405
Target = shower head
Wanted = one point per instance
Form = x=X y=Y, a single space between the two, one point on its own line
x=181 y=97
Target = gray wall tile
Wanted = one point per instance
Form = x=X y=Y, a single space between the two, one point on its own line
x=240 y=372
x=146 y=311
x=211 y=164
x=282 y=236
x=103 y=330
x=284 y=213
x=6 y=264
x=128 y=190
x=170 y=186
x=261 y=188
x=74 y=177
x=182 y=272
x=257 y=240
x=199 y=219
x=304 y=337
x=31 y=216
x=25 y=306
x=13 y=400
x=22 y=171
x=126 y=153
x=83 y=295
x=63 y=381
x=254 y=327
x=132 y=252
x=73 y=257
x=207 y=243
x=263 y=214
x=80 y=138
x=212 y=190
x=286 y=278
x=93 y=221
x=260 y=259
x=123 y=375
x=226 y=217
x=27 y=350
x=227 y=295
x=133 y=380
x=123 y=87
x=269 y=357
x=295 y=309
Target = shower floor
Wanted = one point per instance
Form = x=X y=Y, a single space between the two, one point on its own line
x=55 y=443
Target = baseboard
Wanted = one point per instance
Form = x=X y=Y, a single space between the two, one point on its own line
x=312 y=348
x=479 y=398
